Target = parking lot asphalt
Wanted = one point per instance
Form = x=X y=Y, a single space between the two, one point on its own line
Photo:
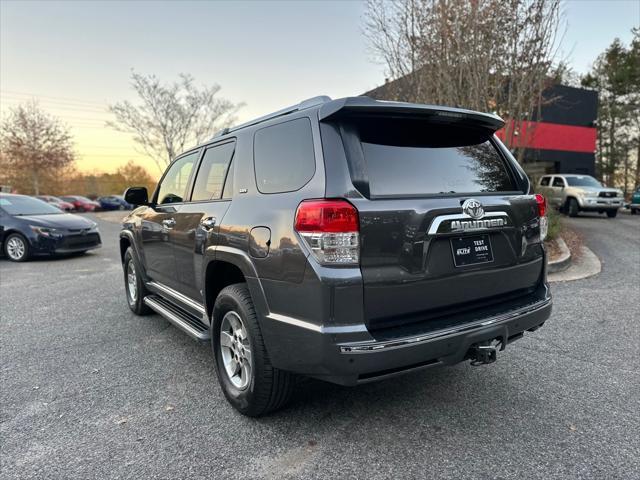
x=88 y=390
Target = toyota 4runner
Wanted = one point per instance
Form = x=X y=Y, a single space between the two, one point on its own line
x=348 y=240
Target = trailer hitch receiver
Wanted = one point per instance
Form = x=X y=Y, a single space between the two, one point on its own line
x=483 y=353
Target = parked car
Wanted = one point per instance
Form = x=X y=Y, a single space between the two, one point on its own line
x=57 y=202
x=82 y=204
x=634 y=204
x=348 y=240
x=114 y=202
x=572 y=194
x=29 y=226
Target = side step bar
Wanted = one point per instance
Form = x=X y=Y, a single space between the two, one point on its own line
x=190 y=324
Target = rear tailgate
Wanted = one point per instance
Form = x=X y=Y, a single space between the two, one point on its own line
x=407 y=257
x=421 y=256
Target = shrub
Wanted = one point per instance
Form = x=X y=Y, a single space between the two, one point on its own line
x=555 y=223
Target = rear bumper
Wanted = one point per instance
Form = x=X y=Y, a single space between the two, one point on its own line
x=349 y=355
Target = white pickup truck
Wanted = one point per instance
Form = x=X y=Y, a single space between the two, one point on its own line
x=572 y=193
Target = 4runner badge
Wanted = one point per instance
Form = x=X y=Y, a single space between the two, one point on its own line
x=473 y=208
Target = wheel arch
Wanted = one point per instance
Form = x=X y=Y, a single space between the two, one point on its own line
x=13 y=230
x=127 y=240
x=228 y=266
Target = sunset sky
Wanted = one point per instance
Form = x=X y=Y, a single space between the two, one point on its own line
x=75 y=58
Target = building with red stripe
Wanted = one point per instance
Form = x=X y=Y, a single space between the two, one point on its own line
x=561 y=138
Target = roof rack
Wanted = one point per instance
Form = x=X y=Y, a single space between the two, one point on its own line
x=308 y=103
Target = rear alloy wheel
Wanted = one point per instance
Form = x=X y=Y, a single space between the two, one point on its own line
x=612 y=213
x=134 y=285
x=248 y=380
x=573 y=207
x=235 y=349
x=16 y=248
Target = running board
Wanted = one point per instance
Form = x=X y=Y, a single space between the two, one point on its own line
x=186 y=322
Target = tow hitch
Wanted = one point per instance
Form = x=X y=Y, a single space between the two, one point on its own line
x=483 y=353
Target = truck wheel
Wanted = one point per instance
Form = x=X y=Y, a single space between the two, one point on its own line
x=633 y=211
x=573 y=207
x=16 y=248
x=134 y=284
x=612 y=213
x=249 y=382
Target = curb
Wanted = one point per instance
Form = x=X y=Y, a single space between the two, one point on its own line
x=587 y=265
x=564 y=261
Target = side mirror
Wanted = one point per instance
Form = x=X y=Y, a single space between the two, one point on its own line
x=136 y=196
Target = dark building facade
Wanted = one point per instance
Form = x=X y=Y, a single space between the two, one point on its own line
x=560 y=138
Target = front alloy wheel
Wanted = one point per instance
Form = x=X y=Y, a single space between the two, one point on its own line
x=134 y=284
x=235 y=349
x=16 y=248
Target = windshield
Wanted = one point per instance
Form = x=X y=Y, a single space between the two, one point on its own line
x=583 y=181
x=20 y=205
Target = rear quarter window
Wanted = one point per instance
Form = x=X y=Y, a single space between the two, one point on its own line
x=283 y=155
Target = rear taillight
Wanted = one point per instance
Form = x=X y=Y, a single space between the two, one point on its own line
x=542 y=205
x=330 y=228
x=542 y=214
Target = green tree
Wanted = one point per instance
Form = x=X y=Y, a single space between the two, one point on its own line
x=616 y=76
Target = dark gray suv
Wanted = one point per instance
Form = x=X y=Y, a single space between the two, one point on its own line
x=347 y=240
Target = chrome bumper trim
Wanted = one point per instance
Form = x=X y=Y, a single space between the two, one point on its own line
x=372 y=346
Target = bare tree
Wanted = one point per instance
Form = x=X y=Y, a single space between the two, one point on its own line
x=487 y=55
x=171 y=117
x=36 y=147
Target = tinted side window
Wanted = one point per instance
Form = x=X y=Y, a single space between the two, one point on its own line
x=212 y=172
x=545 y=181
x=283 y=156
x=174 y=184
x=558 y=182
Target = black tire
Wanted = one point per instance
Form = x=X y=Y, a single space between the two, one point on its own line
x=633 y=211
x=268 y=388
x=135 y=302
x=573 y=208
x=612 y=213
x=13 y=241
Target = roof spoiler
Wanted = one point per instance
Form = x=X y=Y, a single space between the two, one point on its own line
x=366 y=105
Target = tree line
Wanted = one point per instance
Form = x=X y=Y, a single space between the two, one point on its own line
x=37 y=154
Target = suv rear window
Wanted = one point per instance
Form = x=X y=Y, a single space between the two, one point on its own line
x=415 y=157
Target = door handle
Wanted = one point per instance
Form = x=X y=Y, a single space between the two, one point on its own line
x=169 y=222
x=208 y=223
